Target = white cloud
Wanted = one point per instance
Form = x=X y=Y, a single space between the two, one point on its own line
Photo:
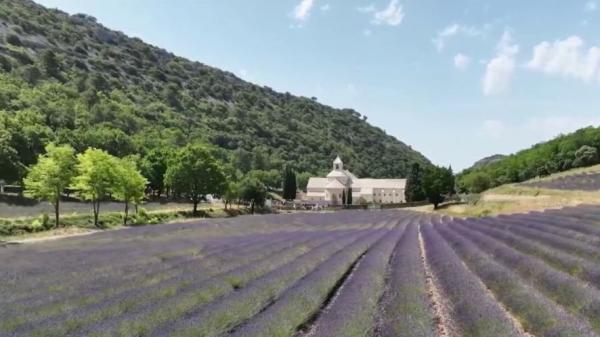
x=367 y=32
x=500 y=70
x=392 y=15
x=303 y=9
x=567 y=58
x=462 y=62
x=243 y=73
x=493 y=128
x=454 y=30
x=591 y=6
x=326 y=7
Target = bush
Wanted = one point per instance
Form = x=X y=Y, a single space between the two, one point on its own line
x=14 y=40
x=5 y=64
x=45 y=220
x=142 y=212
x=477 y=182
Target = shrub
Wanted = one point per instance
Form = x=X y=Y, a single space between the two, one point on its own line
x=45 y=220
x=5 y=63
x=14 y=40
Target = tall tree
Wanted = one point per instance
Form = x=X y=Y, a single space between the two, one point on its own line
x=96 y=177
x=437 y=183
x=232 y=193
x=194 y=172
x=253 y=191
x=53 y=172
x=289 y=183
x=414 y=184
x=130 y=185
x=272 y=178
x=349 y=196
x=302 y=180
x=154 y=166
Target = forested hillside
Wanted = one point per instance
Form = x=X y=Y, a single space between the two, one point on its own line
x=68 y=79
x=563 y=153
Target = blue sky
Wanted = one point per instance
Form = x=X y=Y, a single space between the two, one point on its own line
x=457 y=80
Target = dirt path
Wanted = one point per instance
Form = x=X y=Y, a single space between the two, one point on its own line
x=440 y=307
x=51 y=236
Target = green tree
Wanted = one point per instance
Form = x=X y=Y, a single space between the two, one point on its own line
x=271 y=179
x=231 y=194
x=302 y=180
x=260 y=159
x=194 y=172
x=130 y=185
x=154 y=167
x=96 y=177
x=50 y=64
x=10 y=163
x=437 y=183
x=478 y=182
x=242 y=160
x=349 y=197
x=414 y=184
x=53 y=172
x=289 y=183
x=585 y=156
x=254 y=192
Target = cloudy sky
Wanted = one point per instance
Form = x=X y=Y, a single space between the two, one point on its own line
x=457 y=80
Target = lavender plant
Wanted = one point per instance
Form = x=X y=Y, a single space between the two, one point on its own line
x=537 y=314
x=559 y=286
x=571 y=264
x=474 y=311
x=406 y=306
x=231 y=311
x=354 y=311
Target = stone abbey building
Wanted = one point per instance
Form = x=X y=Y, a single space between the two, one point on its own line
x=339 y=181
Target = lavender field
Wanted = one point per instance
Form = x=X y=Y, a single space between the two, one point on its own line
x=579 y=182
x=354 y=273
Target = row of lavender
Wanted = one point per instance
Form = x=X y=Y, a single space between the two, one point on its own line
x=583 y=182
x=354 y=274
x=520 y=275
x=188 y=279
x=537 y=273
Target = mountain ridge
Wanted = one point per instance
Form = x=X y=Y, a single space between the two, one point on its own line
x=93 y=86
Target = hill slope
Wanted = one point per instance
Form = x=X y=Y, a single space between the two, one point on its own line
x=487 y=161
x=69 y=79
x=578 y=149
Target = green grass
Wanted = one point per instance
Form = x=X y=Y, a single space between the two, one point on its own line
x=23 y=228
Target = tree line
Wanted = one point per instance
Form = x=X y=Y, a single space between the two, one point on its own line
x=431 y=183
x=191 y=172
x=94 y=174
x=565 y=152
